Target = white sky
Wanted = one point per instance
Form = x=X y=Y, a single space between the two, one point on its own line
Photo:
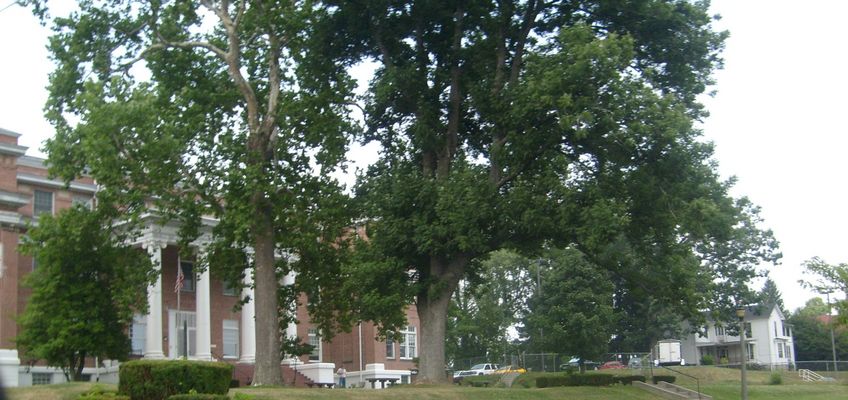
x=776 y=120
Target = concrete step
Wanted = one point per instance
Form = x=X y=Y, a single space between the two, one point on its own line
x=671 y=392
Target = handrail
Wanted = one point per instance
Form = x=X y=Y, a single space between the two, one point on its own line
x=697 y=381
x=809 y=376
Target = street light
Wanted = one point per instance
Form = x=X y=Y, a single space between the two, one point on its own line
x=740 y=313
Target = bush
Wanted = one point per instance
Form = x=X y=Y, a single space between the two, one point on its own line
x=776 y=378
x=100 y=393
x=724 y=361
x=575 y=380
x=159 y=379
x=663 y=378
x=628 y=379
x=707 y=359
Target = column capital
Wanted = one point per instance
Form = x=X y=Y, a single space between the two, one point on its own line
x=154 y=244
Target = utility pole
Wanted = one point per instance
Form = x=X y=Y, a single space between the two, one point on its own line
x=740 y=312
x=832 y=340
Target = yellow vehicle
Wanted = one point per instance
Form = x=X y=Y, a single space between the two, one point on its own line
x=508 y=369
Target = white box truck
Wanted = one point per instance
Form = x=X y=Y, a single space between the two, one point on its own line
x=667 y=352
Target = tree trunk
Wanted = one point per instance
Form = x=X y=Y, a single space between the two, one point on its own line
x=432 y=304
x=268 y=357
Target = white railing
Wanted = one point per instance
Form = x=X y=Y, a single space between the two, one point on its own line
x=809 y=376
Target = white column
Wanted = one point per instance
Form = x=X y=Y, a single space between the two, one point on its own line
x=204 y=315
x=153 y=341
x=248 y=322
x=291 y=329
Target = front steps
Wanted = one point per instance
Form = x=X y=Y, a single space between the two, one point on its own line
x=671 y=391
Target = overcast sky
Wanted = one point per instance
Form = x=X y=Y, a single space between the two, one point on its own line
x=777 y=118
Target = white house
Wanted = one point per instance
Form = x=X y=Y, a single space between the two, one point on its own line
x=768 y=339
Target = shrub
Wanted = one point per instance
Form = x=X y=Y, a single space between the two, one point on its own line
x=100 y=393
x=776 y=378
x=575 y=380
x=723 y=361
x=628 y=379
x=159 y=379
x=663 y=378
x=707 y=359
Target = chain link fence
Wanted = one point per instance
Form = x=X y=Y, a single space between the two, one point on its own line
x=555 y=362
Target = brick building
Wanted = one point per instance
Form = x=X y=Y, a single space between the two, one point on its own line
x=205 y=325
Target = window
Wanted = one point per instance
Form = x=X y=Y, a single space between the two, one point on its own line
x=184 y=328
x=231 y=338
x=786 y=331
x=41 y=378
x=719 y=330
x=85 y=201
x=315 y=342
x=748 y=330
x=390 y=348
x=229 y=290
x=707 y=332
x=42 y=202
x=775 y=328
x=750 y=351
x=138 y=334
x=188 y=276
x=780 y=350
x=408 y=343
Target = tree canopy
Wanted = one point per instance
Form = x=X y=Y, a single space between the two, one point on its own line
x=221 y=109
x=827 y=278
x=811 y=333
x=510 y=124
x=85 y=290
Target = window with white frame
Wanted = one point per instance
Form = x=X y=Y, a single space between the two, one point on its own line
x=748 y=333
x=315 y=342
x=390 y=348
x=719 y=330
x=750 y=351
x=408 y=342
x=138 y=334
x=184 y=328
x=188 y=276
x=42 y=202
x=231 y=338
x=786 y=331
x=781 y=350
x=229 y=289
x=83 y=200
x=41 y=378
x=775 y=328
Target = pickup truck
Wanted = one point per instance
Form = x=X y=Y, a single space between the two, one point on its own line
x=484 y=369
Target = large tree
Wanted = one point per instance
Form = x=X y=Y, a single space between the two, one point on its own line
x=225 y=109
x=811 y=331
x=85 y=290
x=507 y=123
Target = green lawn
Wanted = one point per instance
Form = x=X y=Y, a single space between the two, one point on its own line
x=722 y=384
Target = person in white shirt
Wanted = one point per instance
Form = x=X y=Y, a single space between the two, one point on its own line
x=342 y=373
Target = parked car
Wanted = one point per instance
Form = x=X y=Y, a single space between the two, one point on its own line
x=574 y=362
x=459 y=375
x=612 y=365
x=484 y=369
x=508 y=369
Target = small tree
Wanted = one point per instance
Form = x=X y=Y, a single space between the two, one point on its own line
x=85 y=290
x=827 y=278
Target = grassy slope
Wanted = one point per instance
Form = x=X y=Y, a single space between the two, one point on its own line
x=722 y=384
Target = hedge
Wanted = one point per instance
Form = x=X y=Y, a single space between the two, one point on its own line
x=628 y=379
x=199 y=396
x=159 y=379
x=575 y=380
x=98 y=392
x=663 y=378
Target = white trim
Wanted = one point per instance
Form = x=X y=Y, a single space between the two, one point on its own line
x=12 y=218
x=13 y=199
x=32 y=162
x=12 y=149
x=32 y=179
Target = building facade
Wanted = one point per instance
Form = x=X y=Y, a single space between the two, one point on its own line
x=203 y=326
x=768 y=340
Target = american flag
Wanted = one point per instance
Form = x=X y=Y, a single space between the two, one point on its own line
x=180 y=279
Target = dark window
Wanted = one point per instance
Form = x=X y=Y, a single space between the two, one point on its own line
x=42 y=202
x=188 y=275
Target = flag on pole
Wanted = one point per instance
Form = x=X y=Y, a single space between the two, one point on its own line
x=180 y=279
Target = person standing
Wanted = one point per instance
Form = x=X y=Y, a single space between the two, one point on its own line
x=342 y=373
